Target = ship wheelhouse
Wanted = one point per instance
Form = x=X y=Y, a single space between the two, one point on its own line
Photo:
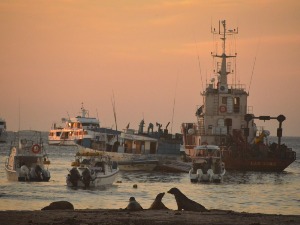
x=222 y=112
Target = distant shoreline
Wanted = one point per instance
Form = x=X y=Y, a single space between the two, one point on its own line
x=47 y=131
x=145 y=217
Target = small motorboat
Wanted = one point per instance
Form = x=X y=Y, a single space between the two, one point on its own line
x=27 y=160
x=207 y=164
x=92 y=169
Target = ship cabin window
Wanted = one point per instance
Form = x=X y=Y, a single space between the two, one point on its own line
x=65 y=135
x=58 y=134
x=90 y=125
x=224 y=100
x=236 y=105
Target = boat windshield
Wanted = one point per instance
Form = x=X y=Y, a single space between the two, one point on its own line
x=207 y=151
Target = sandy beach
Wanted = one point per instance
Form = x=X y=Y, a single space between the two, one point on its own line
x=124 y=217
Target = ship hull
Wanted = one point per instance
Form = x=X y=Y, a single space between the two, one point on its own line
x=13 y=175
x=267 y=164
x=100 y=180
x=273 y=165
x=62 y=142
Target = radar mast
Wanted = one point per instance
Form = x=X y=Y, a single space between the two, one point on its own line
x=223 y=68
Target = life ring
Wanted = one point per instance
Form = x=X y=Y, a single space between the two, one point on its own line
x=36 y=149
x=223 y=109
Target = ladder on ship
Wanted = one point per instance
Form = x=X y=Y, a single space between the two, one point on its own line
x=216 y=104
x=201 y=127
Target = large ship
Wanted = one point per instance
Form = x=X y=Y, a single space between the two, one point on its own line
x=226 y=120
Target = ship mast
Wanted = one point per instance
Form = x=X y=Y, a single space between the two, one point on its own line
x=224 y=69
x=84 y=112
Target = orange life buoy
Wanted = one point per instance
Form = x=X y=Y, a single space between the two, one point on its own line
x=223 y=108
x=36 y=149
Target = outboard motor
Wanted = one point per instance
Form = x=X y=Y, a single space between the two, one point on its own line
x=74 y=176
x=86 y=177
x=39 y=172
x=45 y=174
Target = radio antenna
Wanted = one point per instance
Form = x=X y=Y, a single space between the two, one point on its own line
x=174 y=104
x=258 y=44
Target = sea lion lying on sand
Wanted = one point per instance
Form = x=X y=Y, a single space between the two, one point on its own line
x=60 y=205
x=133 y=205
x=157 y=204
x=184 y=203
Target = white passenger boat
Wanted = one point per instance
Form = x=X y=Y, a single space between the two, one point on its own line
x=27 y=160
x=74 y=130
x=92 y=169
x=3 y=132
x=207 y=164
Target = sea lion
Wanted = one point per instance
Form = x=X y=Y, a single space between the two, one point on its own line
x=184 y=203
x=59 y=205
x=157 y=204
x=133 y=205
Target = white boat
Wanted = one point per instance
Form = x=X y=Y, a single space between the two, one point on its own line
x=66 y=136
x=27 y=160
x=207 y=164
x=3 y=132
x=92 y=169
x=75 y=129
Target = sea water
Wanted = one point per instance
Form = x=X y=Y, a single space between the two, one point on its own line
x=254 y=192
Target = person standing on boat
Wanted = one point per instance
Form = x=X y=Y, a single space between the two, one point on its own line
x=210 y=162
x=205 y=167
x=217 y=166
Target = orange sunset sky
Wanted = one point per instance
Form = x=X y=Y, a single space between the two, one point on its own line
x=56 y=54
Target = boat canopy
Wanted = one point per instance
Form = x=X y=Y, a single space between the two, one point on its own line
x=206 y=147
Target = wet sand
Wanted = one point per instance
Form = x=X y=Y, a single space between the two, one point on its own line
x=145 y=217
